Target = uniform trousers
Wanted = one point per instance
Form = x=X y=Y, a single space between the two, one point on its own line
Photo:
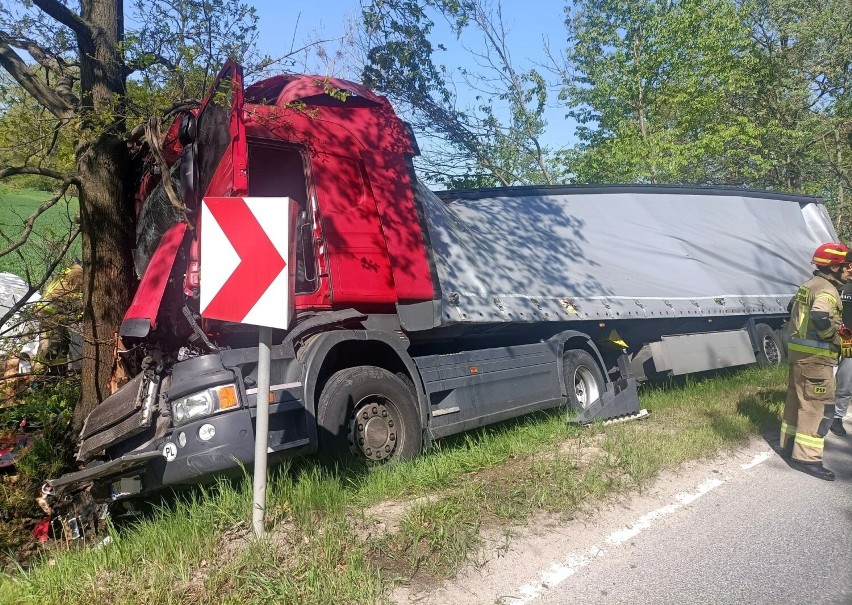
x=844 y=387
x=809 y=407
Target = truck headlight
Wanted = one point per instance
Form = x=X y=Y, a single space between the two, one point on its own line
x=204 y=403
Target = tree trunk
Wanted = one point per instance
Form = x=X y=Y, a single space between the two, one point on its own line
x=105 y=213
x=107 y=241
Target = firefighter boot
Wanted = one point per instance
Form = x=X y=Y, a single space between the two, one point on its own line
x=837 y=427
x=815 y=469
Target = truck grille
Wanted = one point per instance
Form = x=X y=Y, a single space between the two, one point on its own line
x=118 y=417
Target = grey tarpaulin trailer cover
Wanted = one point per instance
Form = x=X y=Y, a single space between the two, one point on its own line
x=688 y=259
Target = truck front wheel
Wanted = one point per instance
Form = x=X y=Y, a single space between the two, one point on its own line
x=368 y=413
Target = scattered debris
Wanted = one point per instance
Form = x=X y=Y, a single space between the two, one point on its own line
x=41 y=531
x=12 y=447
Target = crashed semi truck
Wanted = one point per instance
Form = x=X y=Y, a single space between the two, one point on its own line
x=418 y=314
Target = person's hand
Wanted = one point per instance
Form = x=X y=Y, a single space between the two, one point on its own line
x=846 y=347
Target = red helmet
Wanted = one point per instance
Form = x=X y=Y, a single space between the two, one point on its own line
x=832 y=253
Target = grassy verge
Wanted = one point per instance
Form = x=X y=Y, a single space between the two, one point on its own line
x=346 y=537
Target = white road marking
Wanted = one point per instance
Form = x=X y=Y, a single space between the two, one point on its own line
x=560 y=571
x=758 y=458
x=647 y=520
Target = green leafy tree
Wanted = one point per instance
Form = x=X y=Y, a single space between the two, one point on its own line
x=495 y=138
x=656 y=87
x=75 y=63
x=806 y=101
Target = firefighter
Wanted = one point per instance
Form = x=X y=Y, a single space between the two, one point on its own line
x=844 y=371
x=815 y=331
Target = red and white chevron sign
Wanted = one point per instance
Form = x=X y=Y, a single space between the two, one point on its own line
x=246 y=268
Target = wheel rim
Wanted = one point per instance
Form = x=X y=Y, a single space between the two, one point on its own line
x=770 y=350
x=585 y=387
x=374 y=428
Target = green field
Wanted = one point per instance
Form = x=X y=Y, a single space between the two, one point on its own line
x=49 y=231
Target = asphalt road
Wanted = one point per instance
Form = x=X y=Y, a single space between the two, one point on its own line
x=768 y=534
x=739 y=529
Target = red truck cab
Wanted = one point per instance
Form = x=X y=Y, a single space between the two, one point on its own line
x=370 y=367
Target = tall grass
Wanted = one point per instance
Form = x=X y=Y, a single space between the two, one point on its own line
x=346 y=536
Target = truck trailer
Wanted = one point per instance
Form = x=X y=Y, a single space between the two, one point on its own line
x=417 y=314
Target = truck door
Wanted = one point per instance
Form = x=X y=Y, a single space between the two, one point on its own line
x=220 y=146
x=215 y=164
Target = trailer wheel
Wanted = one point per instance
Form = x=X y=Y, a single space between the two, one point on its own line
x=770 y=351
x=368 y=413
x=583 y=378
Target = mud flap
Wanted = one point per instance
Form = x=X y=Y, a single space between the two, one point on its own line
x=621 y=399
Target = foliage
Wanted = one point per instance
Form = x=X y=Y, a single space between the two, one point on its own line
x=47 y=412
x=497 y=140
x=654 y=87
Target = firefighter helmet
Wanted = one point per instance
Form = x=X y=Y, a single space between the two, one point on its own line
x=832 y=253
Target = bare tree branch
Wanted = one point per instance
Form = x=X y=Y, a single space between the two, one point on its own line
x=28 y=224
x=42 y=57
x=12 y=63
x=66 y=17
x=38 y=286
x=53 y=174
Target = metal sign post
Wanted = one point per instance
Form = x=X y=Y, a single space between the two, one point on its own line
x=247 y=276
x=261 y=442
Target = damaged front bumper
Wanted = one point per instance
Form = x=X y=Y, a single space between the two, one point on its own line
x=134 y=432
x=186 y=455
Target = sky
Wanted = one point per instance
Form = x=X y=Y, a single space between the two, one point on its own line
x=286 y=24
x=527 y=22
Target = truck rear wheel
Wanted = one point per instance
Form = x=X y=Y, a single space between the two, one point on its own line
x=368 y=413
x=770 y=351
x=583 y=378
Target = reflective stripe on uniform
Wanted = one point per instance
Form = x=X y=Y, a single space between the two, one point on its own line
x=827 y=296
x=787 y=428
x=810 y=350
x=810 y=342
x=809 y=441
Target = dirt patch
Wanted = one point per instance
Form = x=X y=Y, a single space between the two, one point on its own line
x=232 y=543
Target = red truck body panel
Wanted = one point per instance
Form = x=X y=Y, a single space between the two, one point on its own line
x=369 y=243
x=149 y=295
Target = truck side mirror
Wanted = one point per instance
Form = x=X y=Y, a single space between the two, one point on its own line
x=187 y=129
x=189 y=176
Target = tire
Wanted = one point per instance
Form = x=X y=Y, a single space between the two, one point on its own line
x=583 y=379
x=366 y=413
x=770 y=349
